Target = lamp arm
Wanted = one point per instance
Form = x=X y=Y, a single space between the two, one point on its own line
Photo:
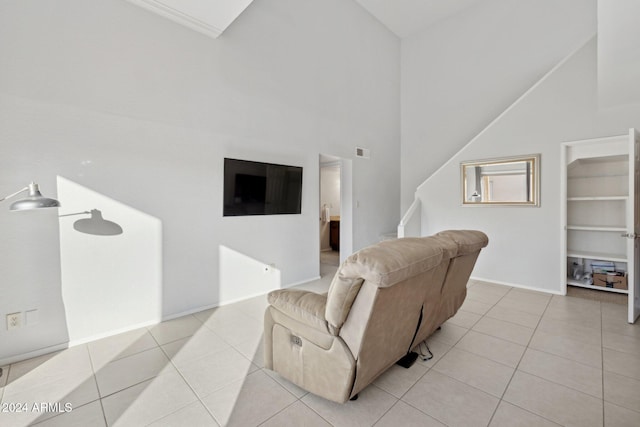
x=73 y=214
x=14 y=194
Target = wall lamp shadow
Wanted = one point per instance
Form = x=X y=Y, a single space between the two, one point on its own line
x=96 y=225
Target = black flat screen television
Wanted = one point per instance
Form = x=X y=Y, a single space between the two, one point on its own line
x=255 y=188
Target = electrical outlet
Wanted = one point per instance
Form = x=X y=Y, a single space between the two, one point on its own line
x=14 y=321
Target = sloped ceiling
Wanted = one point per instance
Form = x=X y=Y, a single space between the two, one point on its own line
x=406 y=17
x=618 y=34
x=210 y=17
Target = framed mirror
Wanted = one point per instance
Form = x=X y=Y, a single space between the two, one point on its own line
x=510 y=181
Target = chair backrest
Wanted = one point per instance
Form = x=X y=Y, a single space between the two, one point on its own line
x=390 y=296
x=468 y=244
x=432 y=300
x=383 y=264
x=380 y=318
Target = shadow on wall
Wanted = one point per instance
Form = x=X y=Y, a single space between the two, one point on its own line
x=96 y=224
x=243 y=277
x=112 y=280
x=213 y=356
x=105 y=270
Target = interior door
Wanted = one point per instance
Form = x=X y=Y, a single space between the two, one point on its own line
x=634 y=218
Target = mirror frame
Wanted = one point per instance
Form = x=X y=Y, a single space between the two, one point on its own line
x=535 y=179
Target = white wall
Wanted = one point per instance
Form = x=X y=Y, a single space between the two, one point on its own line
x=618 y=52
x=524 y=243
x=460 y=74
x=97 y=270
x=142 y=111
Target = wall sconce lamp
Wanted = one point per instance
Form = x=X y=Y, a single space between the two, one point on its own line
x=34 y=200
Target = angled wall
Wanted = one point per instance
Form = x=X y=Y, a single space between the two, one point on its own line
x=459 y=75
x=618 y=52
x=524 y=243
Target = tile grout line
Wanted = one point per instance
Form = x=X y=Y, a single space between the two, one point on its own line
x=503 y=320
x=568 y=359
x=551 y=381
x=448 y=350
x=148 y=379
x=483 y=315
x=388 y=410
x=313 y=410
x=519 y=361
x=422 y=376
x=233 y=347
x=297 y=399
x=399 y=399
x=199 y=399
x=95 y=380
x=280 y=411
x=197 y=395
x=36 y=422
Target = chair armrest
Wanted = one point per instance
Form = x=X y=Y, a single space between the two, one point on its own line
x=304 y=306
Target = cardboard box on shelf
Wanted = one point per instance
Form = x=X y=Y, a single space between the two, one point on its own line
x=616 y=280
x=603 y=266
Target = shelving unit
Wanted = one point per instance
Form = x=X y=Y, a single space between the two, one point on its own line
x=600 y=183
x=597 y=195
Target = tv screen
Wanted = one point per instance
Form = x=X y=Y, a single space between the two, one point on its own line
x=255 y=188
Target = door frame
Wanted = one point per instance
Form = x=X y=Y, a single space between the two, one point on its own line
x=346 y=201
x=633 y=218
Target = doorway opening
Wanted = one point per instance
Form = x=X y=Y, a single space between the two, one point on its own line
x=330 y=210
x=335 y=208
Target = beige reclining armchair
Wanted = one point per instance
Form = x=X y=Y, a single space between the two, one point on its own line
x=383 y=301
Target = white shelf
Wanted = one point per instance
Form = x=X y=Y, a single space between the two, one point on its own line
x=596 y=228
x=613 y=175
x=596 y=198
x=596 y=255
x=578 y=283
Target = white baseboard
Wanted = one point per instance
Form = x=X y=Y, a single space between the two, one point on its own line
x=73 y=343
x=302 y=282
x=107 y=334
x=516 y=285
x=20 y=357
x=232 y=301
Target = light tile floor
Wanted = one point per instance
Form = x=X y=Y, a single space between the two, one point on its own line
x=508 y=358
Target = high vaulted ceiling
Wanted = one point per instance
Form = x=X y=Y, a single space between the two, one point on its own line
x=618 y=50
x=212 y=17
x=406 y=17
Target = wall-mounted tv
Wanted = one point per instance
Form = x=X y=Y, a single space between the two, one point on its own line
x=255 y=188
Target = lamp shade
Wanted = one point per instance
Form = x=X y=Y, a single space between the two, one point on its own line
x=34 y=200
